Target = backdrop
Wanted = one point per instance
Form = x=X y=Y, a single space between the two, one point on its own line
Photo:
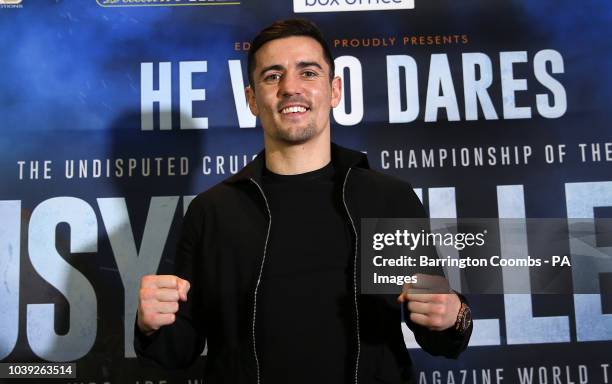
x=115 y=113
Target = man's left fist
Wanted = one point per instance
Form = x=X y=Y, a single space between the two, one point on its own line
x=431 y=302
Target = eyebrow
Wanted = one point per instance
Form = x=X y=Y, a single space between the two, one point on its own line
x=300 y=65
x=305 y=64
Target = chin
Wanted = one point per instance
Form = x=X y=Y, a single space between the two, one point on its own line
x=296 y=136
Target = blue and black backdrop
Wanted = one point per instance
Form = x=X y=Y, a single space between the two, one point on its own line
x=115 y=113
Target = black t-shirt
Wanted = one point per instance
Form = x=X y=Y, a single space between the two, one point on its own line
x=305 y=315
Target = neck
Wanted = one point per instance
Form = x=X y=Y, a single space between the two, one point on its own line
x=292 y=159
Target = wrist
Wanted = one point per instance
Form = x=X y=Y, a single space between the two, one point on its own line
x=464 y=317
x=143 y=328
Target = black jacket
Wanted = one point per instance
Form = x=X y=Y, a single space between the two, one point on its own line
x=222 y=254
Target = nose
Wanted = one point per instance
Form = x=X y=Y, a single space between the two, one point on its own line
x=290 y=85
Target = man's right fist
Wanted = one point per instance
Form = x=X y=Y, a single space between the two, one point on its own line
x=158 y=301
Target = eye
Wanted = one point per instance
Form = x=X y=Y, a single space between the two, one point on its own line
x=273 y=77
x=310 y=74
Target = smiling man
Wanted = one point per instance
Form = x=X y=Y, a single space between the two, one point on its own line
x=292 y=90
x=268 y=262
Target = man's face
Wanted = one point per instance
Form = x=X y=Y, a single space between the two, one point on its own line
x=292 y=93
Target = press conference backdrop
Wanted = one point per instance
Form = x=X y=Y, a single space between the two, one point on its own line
x=115 y=113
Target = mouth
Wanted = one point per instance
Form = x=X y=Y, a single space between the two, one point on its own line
x=293 y=109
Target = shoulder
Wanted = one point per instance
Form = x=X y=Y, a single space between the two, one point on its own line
x=375 y=180
x=392 y=196
x=217 y=195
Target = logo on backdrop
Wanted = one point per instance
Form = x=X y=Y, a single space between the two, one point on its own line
x=11 y=4
x=307 y=6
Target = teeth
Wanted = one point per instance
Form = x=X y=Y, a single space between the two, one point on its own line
x=293 y=109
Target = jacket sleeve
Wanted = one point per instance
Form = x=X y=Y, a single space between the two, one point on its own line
x=179 y=344
x=449 y=343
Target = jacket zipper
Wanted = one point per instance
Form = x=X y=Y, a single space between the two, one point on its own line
x=354 y=277
x=263 y=260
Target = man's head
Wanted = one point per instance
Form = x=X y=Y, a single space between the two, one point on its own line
x=292 y=85
x=287 y=28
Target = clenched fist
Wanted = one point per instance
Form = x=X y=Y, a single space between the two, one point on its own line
x=429 y=303
x=158 y=301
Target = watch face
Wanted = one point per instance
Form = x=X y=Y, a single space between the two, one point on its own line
x=467 y=318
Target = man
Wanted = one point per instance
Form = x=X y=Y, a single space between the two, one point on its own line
x=268 y=262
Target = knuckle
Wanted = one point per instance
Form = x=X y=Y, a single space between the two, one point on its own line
x=148 y=294
x=173 y=281
x=148 y=319
x=417 y=319
x=438 y=310
x=150 y=310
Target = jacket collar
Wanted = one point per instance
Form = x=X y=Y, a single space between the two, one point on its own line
x=342 y=158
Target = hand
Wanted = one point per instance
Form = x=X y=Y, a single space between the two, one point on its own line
x=158 y=301
x=429 y=304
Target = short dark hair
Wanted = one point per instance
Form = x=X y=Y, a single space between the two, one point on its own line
x=287 y=28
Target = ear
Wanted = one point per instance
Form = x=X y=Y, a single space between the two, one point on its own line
x=250 y=96
x=336 y=91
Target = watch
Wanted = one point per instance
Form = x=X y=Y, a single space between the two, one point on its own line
x=464 y=318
